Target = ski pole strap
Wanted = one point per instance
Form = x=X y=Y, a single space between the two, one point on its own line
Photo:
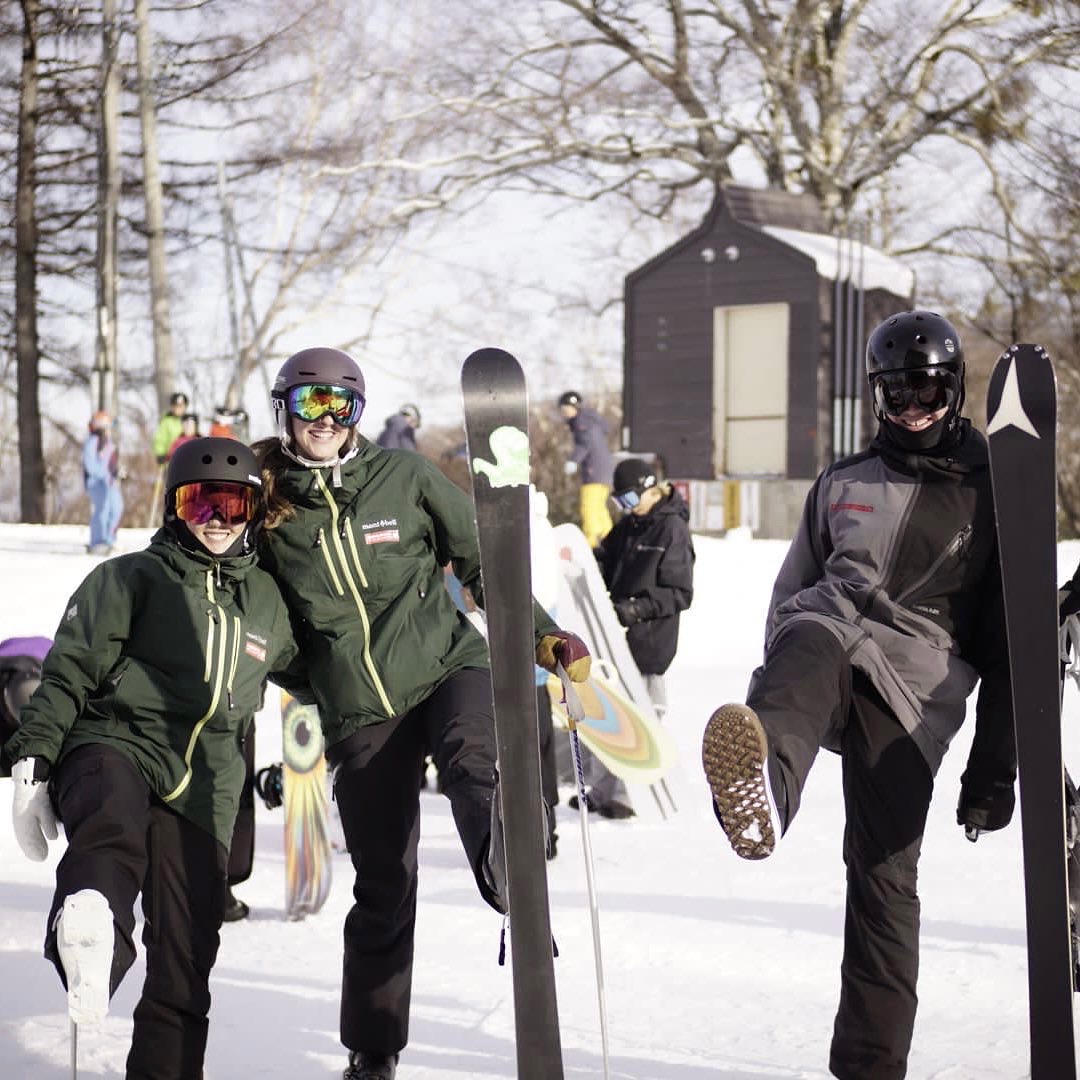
x=575 y=711
x=1069 y=645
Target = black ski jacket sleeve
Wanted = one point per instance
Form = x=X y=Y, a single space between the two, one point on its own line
x=987 y=786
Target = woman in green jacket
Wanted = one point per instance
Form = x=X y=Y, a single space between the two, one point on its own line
x=156 y=670
x=357 y=538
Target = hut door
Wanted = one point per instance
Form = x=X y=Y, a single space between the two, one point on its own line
x=750 y=389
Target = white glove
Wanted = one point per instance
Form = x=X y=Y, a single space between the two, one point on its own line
x=31 y=812
x=570 y=468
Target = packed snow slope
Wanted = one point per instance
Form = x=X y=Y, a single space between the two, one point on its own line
x=714 y=968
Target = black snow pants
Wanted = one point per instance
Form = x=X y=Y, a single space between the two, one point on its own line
x=122 y=840
x=242 y=847
x=808 y=695
x=376 y=774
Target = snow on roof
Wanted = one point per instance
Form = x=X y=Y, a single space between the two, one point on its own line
x=835 y=259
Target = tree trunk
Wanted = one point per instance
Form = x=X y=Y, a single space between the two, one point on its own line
x=31 y=458
x=105 y=365
x=164 y=364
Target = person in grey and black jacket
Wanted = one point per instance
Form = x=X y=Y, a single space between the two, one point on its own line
x=886 y=613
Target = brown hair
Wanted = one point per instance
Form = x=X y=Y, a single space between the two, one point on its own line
x=272 y=463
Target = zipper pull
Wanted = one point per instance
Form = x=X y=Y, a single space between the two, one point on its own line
x=229 y=697
x=319 y=538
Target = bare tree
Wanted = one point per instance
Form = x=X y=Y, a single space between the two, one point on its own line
x=650 y=98
x=164 y=364
x=31 y=464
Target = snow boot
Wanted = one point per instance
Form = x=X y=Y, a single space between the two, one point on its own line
x=365 y=1066
x=235 y=909
x=84 y=942
x=735 y=756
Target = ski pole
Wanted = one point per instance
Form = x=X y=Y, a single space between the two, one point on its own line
x=74 y=1050
x=575 y=712
x=159 y=482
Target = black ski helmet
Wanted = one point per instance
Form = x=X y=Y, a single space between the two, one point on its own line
x=212 y=458
x=316 y=365
x=206 y=460
x=916 y=340
x=571 y=397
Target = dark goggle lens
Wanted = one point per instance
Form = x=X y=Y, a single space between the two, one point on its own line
x=930 y=390
x=230 y=503
x=309 y=403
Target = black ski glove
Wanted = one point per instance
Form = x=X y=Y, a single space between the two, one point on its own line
x=629 y=611
x=984 y=807
x=1068 y=601
x=269 y=785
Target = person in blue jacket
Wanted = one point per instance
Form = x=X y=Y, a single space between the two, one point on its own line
x=101 y=471
x=400 y=430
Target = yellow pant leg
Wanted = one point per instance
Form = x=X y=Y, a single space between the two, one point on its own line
x=595 y=520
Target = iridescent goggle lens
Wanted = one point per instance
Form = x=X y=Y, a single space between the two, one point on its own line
x=229 y=502
x=312 y=401
x=929 y=388
x=627 y=500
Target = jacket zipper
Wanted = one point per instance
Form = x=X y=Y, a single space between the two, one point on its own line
x=350 y=581
x=214 y=674
x=955 y=545
x=320 y=542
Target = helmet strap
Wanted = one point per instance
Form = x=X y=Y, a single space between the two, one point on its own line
x=308 y=463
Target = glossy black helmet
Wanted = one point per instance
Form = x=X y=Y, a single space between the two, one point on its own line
x=916 y=357
x=911 y=340
x=212 y=458
x=571 y=397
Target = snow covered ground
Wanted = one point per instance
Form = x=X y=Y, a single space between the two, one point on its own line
x=714 y=968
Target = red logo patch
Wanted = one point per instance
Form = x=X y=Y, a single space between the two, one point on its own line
x=859 y=508
x=384 y=536
x=257 y=651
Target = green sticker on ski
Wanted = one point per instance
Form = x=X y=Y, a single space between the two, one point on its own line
x=510 y=448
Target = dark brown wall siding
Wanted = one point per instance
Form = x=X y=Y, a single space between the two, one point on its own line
x=669 y=342
x=668 y=346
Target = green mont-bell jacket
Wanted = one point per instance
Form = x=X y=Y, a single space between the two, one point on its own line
x=164 y=654
x=361 y=568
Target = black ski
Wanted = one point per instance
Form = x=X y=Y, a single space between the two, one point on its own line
x=496 y=430
x=1022 y=408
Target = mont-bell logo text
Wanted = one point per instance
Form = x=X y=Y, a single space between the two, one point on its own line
x=383 y=531
x=858 y=508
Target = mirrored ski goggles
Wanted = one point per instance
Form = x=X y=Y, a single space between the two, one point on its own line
x=929 y=389
x=311 y=402
x=229 y=502
x=627 y=500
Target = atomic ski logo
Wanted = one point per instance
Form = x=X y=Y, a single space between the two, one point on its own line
x=1010 y=408
x=510 y=449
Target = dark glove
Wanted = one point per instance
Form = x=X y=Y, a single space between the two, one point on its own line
x=1068 y=602
x=629 y=611
x=986 y=810
x=162 y=459
x=562 y=647
x=270 y=786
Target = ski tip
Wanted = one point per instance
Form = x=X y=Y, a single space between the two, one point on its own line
x=488 y=354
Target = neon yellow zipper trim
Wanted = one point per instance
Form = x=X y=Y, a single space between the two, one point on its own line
x=369 y=661
x=216 y=695
x=330 y=563
x=235 y=661
x=355 y=553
